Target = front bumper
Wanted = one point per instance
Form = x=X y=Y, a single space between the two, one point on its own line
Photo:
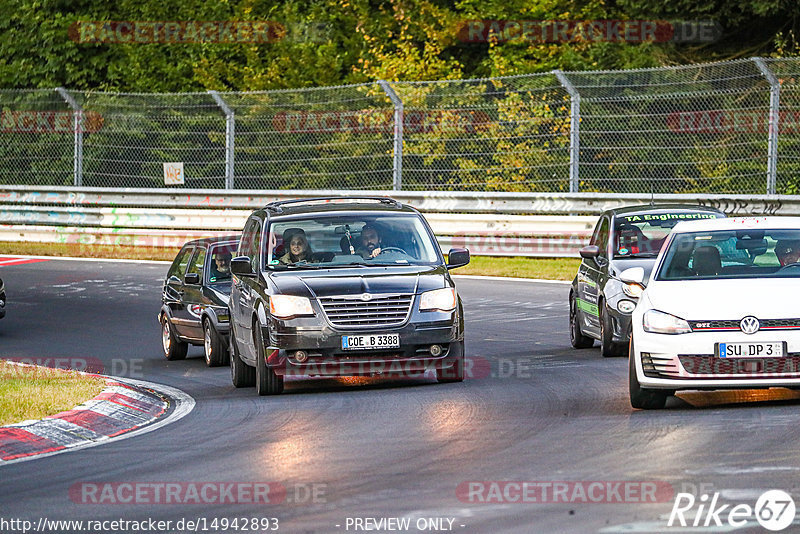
x=323 y=346
x=688 y=361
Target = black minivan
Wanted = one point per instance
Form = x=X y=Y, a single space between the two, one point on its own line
x=340 y=287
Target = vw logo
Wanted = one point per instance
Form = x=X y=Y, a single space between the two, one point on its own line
x=749 y=325
x=366 y=296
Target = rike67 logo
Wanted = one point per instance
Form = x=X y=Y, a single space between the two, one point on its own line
x=774 y=510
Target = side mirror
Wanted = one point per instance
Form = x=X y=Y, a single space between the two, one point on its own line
x=457 y=257
x=590 y=251
x=241 y=266
x=634 y=275
x=192 y=279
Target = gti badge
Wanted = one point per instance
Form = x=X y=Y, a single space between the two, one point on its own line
x=749 y=325
x=366 y=296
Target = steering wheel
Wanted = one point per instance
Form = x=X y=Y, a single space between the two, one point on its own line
x=396 y=249
x=794 y=265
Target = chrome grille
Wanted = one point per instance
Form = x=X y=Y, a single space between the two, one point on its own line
x=380 y=310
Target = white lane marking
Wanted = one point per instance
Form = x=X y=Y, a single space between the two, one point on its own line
x=184 y=404
x=661 y=527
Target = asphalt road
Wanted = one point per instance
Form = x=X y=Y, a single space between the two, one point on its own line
x=534 y=410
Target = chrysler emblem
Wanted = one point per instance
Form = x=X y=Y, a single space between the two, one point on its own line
x=366 y=296
x=749 y=325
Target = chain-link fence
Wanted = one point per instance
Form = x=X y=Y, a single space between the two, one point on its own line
x=730 y=127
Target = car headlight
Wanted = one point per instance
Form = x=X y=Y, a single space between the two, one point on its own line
x=439 y=299
x=286 y=306
x=632 y=290
x=663 y=323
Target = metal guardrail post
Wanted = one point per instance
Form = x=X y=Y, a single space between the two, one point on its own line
x=230 y=137
x=77 y=127
x=574 y=130
x=397 y=166
x=774 y=111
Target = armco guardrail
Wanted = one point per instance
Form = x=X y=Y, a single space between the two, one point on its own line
x=493 y=224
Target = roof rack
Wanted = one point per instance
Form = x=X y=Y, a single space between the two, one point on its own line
x=277 y=206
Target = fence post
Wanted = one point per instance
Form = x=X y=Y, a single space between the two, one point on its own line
x=230 y=135
x=574 y=130
x=774 y=111
x=77 y=127
x=397 y=166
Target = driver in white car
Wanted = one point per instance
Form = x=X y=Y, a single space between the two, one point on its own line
x=788 y=251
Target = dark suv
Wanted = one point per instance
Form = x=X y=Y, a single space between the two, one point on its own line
x=194 y=300
x=342 y=286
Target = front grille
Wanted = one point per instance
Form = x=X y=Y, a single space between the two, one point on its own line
x=770 y=324
x=380 y=310
x=704 y=364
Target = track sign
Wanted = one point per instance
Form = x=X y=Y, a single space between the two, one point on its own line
x=173 y=173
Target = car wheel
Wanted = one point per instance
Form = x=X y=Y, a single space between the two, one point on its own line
x=242 y=375
x=576 y=337
x=215 y=350
x=607 y=346
x=456 y=372
x=174 y=348
x=267 y=381
x=644 y=399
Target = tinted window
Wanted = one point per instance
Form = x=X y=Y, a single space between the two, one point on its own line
x=602 y=237
x=197 y=262
x=178 y=267
x=644 y=234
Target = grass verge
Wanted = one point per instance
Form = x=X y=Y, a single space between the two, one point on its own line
x=36 y=392
x=516 y=267
x=521 y=267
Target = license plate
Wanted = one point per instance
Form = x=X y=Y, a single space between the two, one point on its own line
x=371 y=342
x=774 y=349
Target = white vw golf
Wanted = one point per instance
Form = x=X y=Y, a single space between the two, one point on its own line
x=721 y=310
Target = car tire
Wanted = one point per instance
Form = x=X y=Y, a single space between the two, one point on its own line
x=576 y=337
x=608 y=348
x=644 y=399
x=242 y=375
x=214 y=349
x=174 y=348
x=456 y=372
x=267 y=381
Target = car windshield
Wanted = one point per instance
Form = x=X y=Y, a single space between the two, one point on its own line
x=732 y=254
x=219 y=270
x=316 y=242
x=644 y=234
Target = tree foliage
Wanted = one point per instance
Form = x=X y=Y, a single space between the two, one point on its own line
x=331 y=42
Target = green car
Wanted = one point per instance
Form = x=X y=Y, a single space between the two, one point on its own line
x=600 y=305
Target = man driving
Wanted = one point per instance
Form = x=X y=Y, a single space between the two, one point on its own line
x=221 y=269
x=788 y=251
x=370 y=242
